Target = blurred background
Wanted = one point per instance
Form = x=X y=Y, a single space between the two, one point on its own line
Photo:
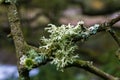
x=36 y=14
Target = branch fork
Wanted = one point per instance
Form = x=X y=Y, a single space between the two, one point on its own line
x=22 y=46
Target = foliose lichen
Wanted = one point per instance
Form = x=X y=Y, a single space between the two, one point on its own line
x=31 y=58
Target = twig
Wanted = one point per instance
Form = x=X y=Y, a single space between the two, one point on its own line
x=112 y=32
x=88 y=66
x=115 y=37
x=113 y=21
x=107 y=27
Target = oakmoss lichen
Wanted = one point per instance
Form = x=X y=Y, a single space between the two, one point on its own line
x=60 y=46
x=60 y=42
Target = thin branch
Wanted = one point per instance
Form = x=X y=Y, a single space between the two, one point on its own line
x=107 y=27
x=113 y=21
x=112 y=32
x=88 y=66
x=115 y=37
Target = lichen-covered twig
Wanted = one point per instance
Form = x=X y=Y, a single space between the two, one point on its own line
x=88 y=66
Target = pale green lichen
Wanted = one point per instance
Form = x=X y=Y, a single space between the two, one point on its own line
x=60 y=42
x=60 y=46
x=31 y=58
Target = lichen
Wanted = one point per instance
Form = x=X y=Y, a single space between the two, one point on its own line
x=31 y=58
x=60 y=43
x=60 y=46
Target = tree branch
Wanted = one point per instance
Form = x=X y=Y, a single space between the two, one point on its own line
x=20 y=43
x=115 y=37
x=113 y=21
x=107 y=27
x=88 y=66
x=112 y=32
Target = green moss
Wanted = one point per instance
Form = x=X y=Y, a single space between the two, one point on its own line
x=29 y=63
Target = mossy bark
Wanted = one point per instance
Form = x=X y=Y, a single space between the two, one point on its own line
x=23 y=74
x=19 y=42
